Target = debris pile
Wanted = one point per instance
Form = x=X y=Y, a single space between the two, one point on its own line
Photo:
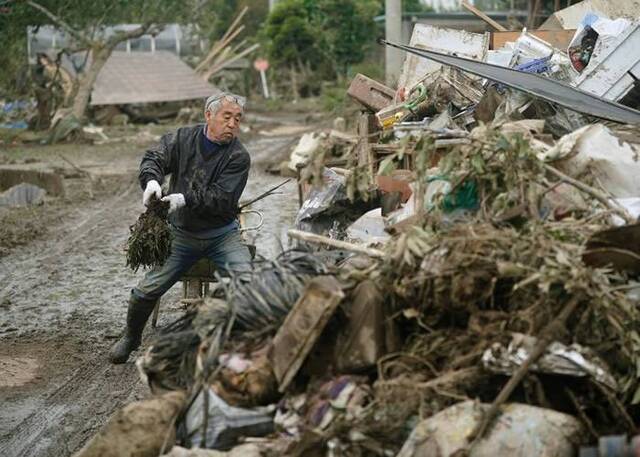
x=469 y=277
x=15 y=114
x=257 y=303
x=485 y=297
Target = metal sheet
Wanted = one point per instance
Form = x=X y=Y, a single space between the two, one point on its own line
x=440 y=39
x=558 y=358
x=538 y=86
x=570 y=18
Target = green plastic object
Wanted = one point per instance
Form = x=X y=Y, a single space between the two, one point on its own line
x=465 y=195
x=417 y=95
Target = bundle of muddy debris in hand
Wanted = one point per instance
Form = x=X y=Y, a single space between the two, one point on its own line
x=149 y=242
x=460 y=287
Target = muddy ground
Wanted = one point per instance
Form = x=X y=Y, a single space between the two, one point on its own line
x=64 y=285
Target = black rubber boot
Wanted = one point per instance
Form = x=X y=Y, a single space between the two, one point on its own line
x=137 y=315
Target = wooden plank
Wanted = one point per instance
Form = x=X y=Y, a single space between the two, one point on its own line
x=303 y=326
x=363 y=148
x=557 y=38
x=483 y=16
x=372 y=127
x=383 y=149
x=194 y=288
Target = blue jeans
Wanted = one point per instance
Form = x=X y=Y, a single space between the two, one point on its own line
x=227 y=252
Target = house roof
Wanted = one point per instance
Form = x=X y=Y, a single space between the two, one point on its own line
x=141 y=77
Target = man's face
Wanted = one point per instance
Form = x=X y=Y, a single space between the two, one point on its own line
x=224 y=124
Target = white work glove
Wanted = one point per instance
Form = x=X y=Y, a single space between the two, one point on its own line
x=175 y=201
x=153 y=188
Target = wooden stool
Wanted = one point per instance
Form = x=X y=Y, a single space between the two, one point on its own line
x=195 y=283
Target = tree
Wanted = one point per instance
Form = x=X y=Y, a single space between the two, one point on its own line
x=291 y=39
x=347 y=29
x=85 y=22
x=325 y=36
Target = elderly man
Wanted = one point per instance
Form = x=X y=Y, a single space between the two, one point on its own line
x=209 y=169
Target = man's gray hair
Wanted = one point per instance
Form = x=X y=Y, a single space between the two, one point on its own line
x=214 y=102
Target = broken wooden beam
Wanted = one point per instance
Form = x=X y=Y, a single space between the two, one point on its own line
x=303 y=326
x=475 y=11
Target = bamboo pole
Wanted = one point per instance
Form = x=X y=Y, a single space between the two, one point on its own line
x=222 y=65
x=236 y=21
x=217 y=48
x=319 y=239
x=228 y=51
x=226 y=38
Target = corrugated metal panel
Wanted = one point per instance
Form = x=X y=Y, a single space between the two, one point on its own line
x=537 y=85
x=147 y=78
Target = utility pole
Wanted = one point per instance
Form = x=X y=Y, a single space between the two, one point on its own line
x=393 y=32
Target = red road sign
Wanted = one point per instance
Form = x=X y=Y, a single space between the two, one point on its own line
x=261 y=64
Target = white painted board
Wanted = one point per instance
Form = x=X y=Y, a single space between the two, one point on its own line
x=440 y=39
x=607 y=74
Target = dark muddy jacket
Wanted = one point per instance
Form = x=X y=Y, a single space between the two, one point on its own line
x=211 y=183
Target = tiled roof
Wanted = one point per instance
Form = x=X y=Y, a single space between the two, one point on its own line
x=141 y=77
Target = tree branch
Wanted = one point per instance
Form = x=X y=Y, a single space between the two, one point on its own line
x=546 y=337
x=602 y=198
x=59 y=22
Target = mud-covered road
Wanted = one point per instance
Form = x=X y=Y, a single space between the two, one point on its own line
x=63 y=301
